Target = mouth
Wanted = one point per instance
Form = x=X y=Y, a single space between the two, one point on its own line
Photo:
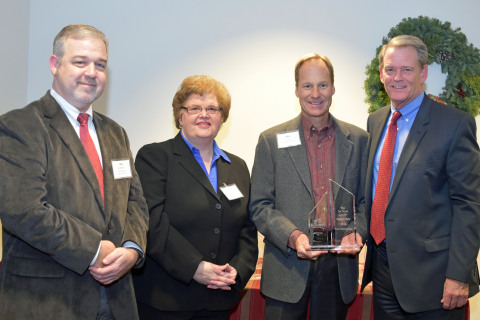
x=399 y=87
x=88 y=84
x=203 y=124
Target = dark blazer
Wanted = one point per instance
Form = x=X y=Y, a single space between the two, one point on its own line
x=54 y=218
x=432 y=222
x=190 y=222
x=282 y=198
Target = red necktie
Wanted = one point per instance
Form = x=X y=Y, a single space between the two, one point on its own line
x=90 y=148
x=380 y=201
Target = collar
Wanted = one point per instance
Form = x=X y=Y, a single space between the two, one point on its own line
x=217 y=152
x=69 y=110
x=309 y=129
x=411 y=108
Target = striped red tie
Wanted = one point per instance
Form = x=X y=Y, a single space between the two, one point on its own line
x=90 y=148
x=382 y=190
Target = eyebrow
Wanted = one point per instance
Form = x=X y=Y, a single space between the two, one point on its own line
x=85 y=57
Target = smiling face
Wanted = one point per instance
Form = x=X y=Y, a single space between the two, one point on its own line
x=402 y=75
x=202 y=128
x=314 y=91
x=80 y=75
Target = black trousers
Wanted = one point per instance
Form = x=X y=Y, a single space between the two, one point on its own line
x=147 y=312
x=104 y=312
x=385 y=303
x=322 y=290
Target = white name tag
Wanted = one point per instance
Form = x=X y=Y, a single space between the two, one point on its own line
x=231 y=191
x=288 y=139
x=121 y=169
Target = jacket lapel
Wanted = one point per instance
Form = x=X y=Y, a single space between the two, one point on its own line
x=298 y=154
x=416 y=134
x=190 y=164
x=60 y=124
x=223 y=172
x=343 y=151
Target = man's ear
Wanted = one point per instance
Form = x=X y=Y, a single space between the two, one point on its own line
x=54 y=62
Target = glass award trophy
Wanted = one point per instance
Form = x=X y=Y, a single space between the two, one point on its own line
x=332 y=218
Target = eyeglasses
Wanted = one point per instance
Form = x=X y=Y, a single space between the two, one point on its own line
x=198 y=109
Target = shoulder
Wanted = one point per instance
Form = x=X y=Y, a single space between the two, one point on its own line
x=109 y=122
x=444 y=117
x=352 y=129
x=448 y=112
x=29 y=119
x=379 y=114
x=290 y=125
x=156 y=148
x=236 y=160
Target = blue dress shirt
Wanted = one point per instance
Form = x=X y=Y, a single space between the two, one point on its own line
x=217 y=153
x=404 y=124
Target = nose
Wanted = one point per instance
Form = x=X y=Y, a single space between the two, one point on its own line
x=203 y=112
x=398 y=75
x=90 y=70
x=315 y=92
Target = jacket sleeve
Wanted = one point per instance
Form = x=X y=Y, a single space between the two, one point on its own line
x=463 y=176
x=137 y=212
x=166 y=246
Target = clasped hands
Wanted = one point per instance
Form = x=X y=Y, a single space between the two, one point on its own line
x=215 y=276
x=304 y=251
x=112 y=263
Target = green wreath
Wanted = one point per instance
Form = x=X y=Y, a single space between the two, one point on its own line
x=450 y=49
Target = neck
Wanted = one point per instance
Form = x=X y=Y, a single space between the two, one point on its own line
x=320 y=122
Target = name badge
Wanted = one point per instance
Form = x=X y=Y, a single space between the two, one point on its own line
x=231 y=191
x=121 y=169
x=288 y=139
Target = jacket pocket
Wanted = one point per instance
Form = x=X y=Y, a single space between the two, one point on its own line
x=36 y=268
x=437 y=244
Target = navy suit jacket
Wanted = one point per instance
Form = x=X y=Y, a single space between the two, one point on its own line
x=432 y=221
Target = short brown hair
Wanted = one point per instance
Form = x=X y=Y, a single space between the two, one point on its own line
x=312 y=56
x=201 y=84
x=76 y=31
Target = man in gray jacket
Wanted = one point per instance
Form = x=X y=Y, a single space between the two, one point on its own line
x=293 y=164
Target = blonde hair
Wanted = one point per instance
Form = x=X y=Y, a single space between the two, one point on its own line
x=200 y=84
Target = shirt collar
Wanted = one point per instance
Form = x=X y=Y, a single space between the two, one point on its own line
x=69 y=110
x=308 y=126
x=217 y=152
x=411 y=108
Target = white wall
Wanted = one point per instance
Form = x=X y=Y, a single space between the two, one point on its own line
x=14 y=25
x=14 y=32
x=251 y=46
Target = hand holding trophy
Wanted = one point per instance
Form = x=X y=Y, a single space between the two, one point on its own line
x=332 y=224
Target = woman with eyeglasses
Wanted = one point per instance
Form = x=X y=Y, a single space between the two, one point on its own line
x=201 y=246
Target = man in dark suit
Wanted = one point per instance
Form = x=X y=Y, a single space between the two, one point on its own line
x=424 y=218
x=74 y=218
x=293 y=163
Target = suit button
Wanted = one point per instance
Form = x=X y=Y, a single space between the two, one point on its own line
x=109 y=230
x=218 y=206
x=216 y=230
x=213 y=255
